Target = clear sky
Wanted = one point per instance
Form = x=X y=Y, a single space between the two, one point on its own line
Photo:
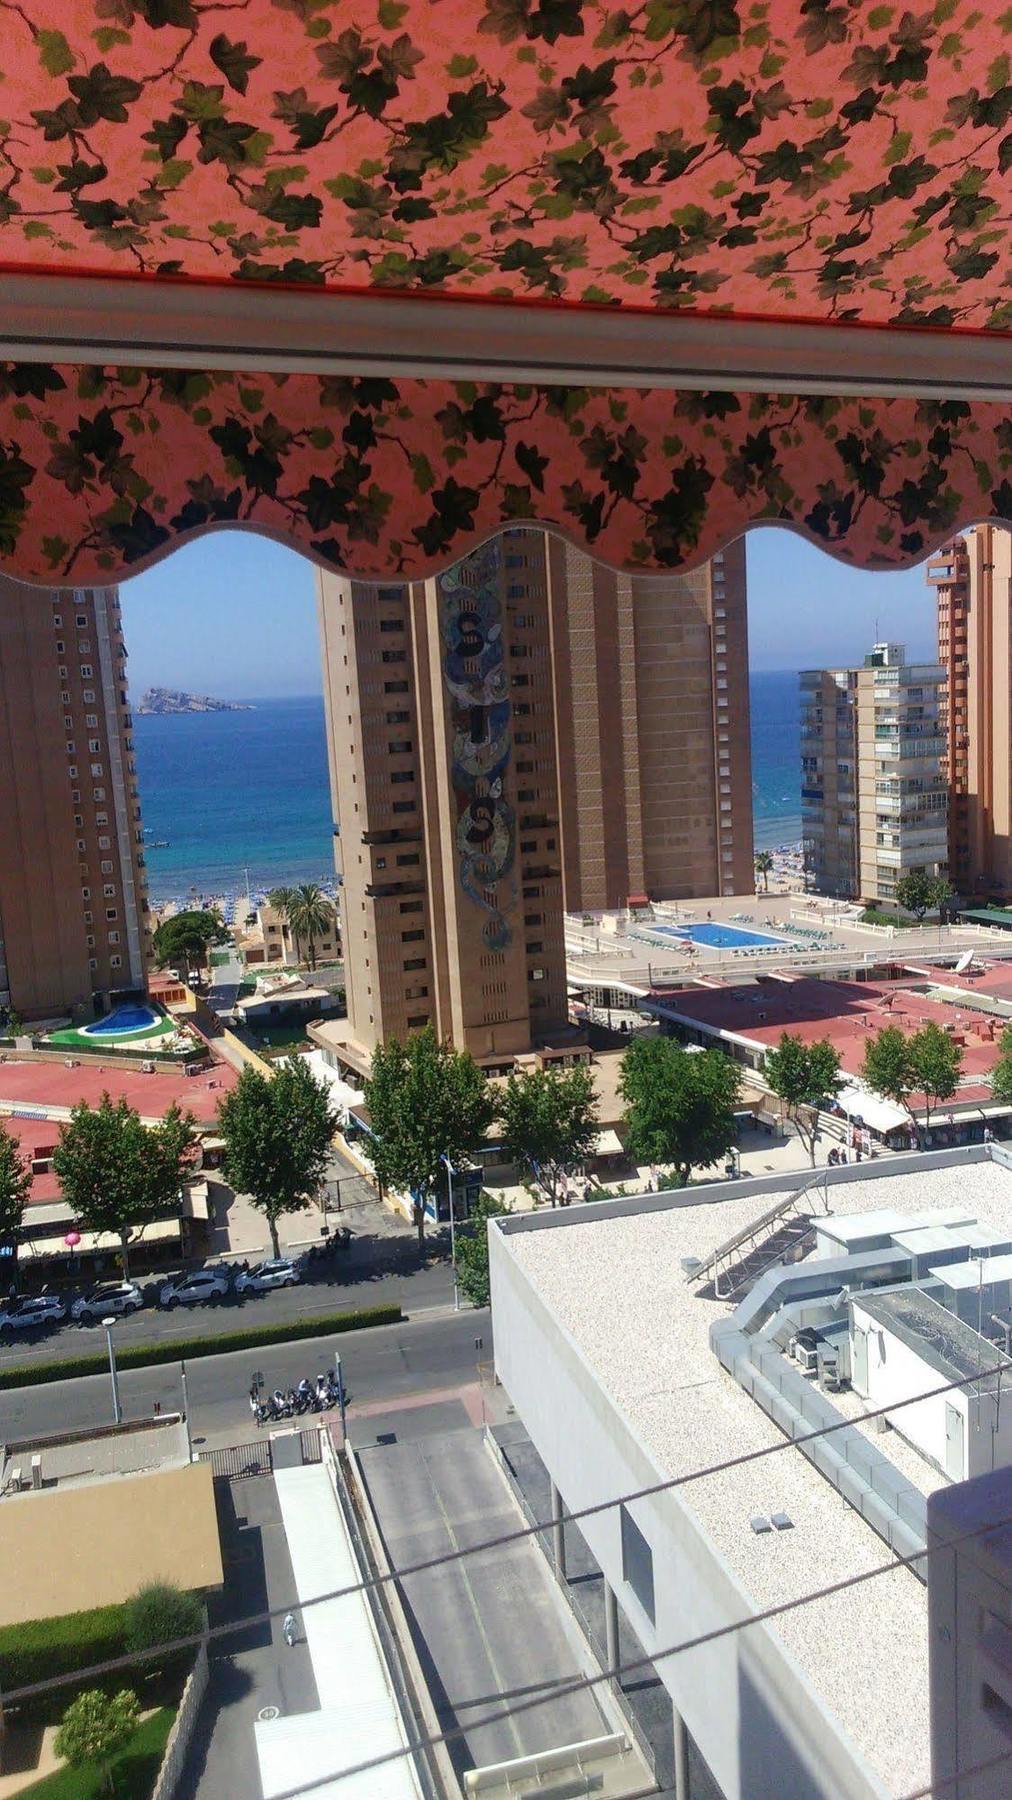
x=234 y=614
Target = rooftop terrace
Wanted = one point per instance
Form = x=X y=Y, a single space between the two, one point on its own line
x=614 y=1282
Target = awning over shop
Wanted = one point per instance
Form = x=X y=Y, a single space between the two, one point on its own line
x=380 y=283
x=873 y=1110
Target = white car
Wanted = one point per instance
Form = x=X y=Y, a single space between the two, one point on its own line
x=190 y=1290
x=267 y=1275
x=112 y=1299
x=32 y=1312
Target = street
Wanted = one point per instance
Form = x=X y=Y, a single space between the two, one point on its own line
x=385 y=1363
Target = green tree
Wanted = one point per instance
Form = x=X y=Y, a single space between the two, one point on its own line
x=310 y=916
x=549 y=1123
x=160 y=1614
x=680 y=1103
x=15 y=1181
x=1001 y=1074
x=920 y=893
x=927 y=1062
x=426 y=1101
x=95 y=1728
x=278 y=1131
x=472 y=1249
x=118 y=1175
x=187 y=940
x=763 y=867
x=801 y=1075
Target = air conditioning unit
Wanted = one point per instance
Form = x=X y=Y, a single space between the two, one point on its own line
x=147 y=1067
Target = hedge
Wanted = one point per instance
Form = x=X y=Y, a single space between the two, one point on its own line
x=134 y=1770
x=44 y=1647
x=140 y=1356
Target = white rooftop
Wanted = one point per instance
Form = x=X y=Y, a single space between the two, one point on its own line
x=616 y=1285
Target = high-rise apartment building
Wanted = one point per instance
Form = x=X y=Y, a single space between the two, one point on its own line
x=73 y=906
x=874 y=795
x=525 y=733
x=652 y=730
x=972 y=578
x=442 y=761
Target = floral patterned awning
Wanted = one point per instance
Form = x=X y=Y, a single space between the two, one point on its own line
x=105 y=469
x=749 y=162
x=831 y=159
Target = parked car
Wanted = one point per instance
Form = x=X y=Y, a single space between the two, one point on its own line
x=267 y=1275
x=32 y=1312
x=190 y=1290
x=111 y=1299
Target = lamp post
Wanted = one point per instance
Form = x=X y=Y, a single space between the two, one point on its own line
x=453 y=1231
x=117 y=1410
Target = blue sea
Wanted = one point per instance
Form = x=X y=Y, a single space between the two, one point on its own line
x=243 y=793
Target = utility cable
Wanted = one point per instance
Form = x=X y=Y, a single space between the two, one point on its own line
x=584 y=1683
x=505 y=1539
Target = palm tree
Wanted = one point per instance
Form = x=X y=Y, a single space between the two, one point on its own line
x=310 y=916
x=763 y=865
x=284 y=900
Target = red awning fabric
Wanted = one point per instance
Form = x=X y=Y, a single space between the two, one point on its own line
x=831 y=160
x=103 y=470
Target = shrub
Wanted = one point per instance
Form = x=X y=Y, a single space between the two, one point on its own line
x=160 y=1612
x=96 y=1727
x=140 y=1356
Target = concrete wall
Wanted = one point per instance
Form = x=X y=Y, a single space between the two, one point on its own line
x=178 y=1741
x=756 y=1720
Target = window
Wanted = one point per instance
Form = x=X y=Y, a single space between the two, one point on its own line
x=104 y=843
x=83 y=646
x=402 y=806
x=414 y=962
x=86 y=893
x=416 y=993
x=97 y=769
x=111 y=913
x=381 y=863
x=535 y=947
x=81 y=845
x=394 y=656
x=400 y=776
x=390 y=593
x=90 y=941
x=637 y=1562
x=115 y=962
x=399 y=747
x=391 y=624
x=527 y=845
x=395 y=718
x=93 y=962
x=113 y=937
x=86 y=671
x=91 y=719
x=526 y=795
x=404 y=862
x=82 y=622
x=411 y=906
x=395 y=687
x=416 y=1020
x=71 y=747
x=60 y=647
x=98 y=793
x=87 y=696
x=107 y=868
x=79 y=820
x=412 y=937
x=72 y=771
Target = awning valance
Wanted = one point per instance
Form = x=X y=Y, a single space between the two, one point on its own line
x=789 y=182
x=103 y=470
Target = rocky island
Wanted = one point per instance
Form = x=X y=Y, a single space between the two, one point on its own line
x=165 y=701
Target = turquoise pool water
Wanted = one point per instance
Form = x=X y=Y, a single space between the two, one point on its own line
x=131 y=1016
x=718 y=937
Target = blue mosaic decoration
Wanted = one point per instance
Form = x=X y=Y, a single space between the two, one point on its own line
x=475 y=674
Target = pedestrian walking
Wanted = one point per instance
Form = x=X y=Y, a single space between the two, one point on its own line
x=289 y=1631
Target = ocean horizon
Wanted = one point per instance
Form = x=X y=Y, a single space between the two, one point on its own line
x=236 y=797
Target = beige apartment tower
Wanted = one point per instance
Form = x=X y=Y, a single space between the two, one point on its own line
x=442 y=760
x=972 y=578
x=524 y=734
x=652 y=730
x=73 y=904
x=874 y=796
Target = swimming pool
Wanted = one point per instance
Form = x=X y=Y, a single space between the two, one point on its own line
x=718 y=937
x=123 y=1020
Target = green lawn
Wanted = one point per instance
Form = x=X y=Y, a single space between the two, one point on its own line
x=143 y=1038
x=133 y=1772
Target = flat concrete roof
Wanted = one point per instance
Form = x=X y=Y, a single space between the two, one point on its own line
x=95 y=1543
x=613 y=1279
